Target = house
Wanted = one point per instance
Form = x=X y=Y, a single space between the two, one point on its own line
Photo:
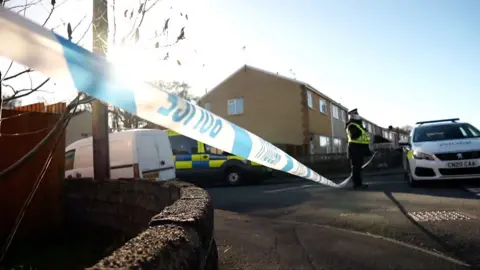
x=288 y=113
x=338 y=120
x=369 y=125
x=378 y=131
x=394 y=135
x=79 y=127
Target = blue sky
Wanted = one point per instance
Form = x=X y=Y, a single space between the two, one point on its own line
x=397 y=61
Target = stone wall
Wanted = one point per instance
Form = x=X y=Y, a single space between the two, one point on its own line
x=171 y=223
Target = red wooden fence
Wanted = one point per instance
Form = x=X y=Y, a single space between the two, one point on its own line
x=22 y=129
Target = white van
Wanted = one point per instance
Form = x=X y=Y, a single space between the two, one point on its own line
x=136 y=153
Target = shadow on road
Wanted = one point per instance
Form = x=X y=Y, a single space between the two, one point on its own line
x=247 y=199
x=449 y=189
x=447 y=248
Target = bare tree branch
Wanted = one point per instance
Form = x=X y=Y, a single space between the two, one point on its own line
x=30 y=79
x=142 y=11
x=25 y=10
x=49 y=15
x=79 y=22
x=9 y=86
x=19 y=93
x=8 y=69
x=17 y=96
x=152 y=5
x=136 y=15
x=23 y=6
x=18 y=74
x=84 y=33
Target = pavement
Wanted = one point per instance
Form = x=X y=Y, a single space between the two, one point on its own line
x=304 y=225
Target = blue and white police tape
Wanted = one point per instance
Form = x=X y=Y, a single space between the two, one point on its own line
x=40 y=49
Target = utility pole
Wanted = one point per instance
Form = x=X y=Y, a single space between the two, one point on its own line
x=1 y=102
x=101 y=151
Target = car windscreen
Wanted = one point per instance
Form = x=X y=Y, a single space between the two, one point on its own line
x=445 y=132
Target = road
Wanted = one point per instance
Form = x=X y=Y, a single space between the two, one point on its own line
x=303 y=225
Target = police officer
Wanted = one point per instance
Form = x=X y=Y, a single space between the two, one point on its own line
x=358 y=146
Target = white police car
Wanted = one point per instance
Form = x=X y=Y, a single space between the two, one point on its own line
x=442 y=149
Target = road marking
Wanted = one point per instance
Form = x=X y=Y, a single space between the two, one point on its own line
x=474 y=190
x=294 y=188
x=321 y=187
x=433 y=252
x=384 y=182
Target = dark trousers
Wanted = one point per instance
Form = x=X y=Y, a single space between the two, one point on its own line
x=356 y=161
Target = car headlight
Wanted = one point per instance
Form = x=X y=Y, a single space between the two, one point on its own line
x=422 y=155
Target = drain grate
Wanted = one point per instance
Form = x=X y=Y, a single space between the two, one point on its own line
x=438 y=216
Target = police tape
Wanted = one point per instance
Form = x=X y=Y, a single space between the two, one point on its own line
x=53 y=55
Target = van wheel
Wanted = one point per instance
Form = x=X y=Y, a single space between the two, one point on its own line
x=234 y=176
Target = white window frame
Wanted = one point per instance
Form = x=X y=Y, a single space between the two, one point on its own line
x=322 y=106
x=335 y=112
x=328 y=146
x=343 y=115
x=310 y=99
x=208 y=106
x=234 y=102
x=337 y=145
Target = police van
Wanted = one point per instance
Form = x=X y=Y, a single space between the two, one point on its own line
x=196 y=161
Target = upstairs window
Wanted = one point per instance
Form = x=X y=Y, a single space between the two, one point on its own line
x=310 y=99
x=344 y=116
x=322 y=106
x=235 y=106
x=335 y=112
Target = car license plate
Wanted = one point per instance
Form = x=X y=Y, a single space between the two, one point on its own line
x=462 y=164
x=150 y=176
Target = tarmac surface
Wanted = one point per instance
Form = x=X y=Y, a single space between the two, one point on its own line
x=295 y=224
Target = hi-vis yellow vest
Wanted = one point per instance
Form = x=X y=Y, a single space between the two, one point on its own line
x=363 y=139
